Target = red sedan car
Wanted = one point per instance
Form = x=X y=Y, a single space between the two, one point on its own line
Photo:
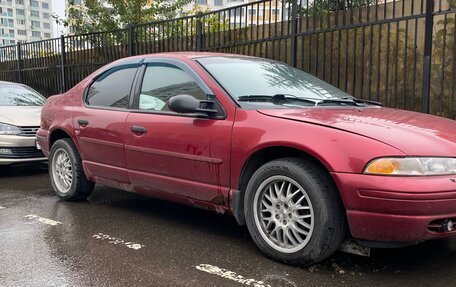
x=301 y=163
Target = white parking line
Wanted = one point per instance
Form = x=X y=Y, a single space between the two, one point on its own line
x=1 y=207
x=42 y=219
x=230 y=275
x=116 y=241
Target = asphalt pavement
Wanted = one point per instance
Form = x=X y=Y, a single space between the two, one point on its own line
x=123 y=239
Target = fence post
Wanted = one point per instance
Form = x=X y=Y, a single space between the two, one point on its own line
x=19 y=61
x=294 y=27
x=63 y=64
x=427 y=65
x=199 y=32
x=131 y=39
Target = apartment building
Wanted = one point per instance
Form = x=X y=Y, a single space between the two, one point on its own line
x=212 y=4
x=270 y=11
x=24 y=21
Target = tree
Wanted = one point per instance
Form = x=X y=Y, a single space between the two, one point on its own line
x=103 y=15
x=326 y=6
x=347 y=4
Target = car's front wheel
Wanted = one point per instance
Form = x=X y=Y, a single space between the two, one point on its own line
x=66 y=172
x=293 y=211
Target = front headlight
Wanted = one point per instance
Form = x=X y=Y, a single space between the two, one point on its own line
x=6 y=129
x=412 y=166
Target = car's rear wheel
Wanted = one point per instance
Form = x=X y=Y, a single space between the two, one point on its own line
x=67 y=175
x=293 y=211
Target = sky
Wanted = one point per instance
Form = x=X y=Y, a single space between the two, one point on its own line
x=58 y=7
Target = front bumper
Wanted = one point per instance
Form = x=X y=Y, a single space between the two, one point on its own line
x=397 y=209
x=21 y=149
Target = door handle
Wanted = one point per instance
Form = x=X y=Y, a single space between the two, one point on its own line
x=83 y=122
x=138 y=130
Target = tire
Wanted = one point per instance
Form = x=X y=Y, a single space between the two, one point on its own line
x=311 y=205
x=64 y=159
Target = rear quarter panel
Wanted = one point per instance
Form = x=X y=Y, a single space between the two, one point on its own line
x=57 y=114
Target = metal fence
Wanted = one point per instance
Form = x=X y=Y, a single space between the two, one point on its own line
x=402 y=53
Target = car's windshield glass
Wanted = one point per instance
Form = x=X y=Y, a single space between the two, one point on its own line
x=18 y=95
x=243 y=77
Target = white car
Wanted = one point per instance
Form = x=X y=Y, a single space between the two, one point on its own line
x=20 y=110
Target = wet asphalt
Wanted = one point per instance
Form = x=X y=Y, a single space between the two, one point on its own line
x=123 y=239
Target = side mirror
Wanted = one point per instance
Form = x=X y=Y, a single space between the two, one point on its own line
x=186 y=104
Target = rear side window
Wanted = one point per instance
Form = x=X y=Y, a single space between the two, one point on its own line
x=112 y=89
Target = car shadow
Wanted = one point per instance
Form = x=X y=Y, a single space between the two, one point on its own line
x=197 y=218
x=425 y=256
x=21 y=170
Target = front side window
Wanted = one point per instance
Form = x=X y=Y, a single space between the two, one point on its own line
x=18 y=95
x=112 y=89
x=163 y=81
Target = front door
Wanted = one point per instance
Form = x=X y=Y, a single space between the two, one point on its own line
x=173 y=153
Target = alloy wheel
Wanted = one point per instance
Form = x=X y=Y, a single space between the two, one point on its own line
x=283 y=214
x=62 y=170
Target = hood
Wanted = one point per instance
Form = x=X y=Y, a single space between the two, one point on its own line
x=410 y=132
x=20 y=116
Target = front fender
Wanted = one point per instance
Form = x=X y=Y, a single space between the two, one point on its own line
x=339 y=151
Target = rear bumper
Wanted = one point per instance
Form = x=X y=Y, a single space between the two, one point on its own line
x=397 y=209
x=43 y=139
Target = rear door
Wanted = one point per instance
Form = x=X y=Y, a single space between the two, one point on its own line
x=174 y=153
x=100 y=126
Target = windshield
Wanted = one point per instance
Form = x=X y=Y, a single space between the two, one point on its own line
x=250 y=76
x=19 y=95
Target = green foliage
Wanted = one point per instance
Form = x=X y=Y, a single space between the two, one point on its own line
x=187 y=25
x=452 y=3
x=211 y=23
x=103 y=15
x=443 y=69
x=323 y=6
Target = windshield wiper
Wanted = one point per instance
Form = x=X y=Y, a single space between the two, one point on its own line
x=281 y=98
x=339 y=101
x=352 y=101
x=369 y=102
x=276 y=99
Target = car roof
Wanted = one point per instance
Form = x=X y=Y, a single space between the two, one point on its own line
x=181 y=55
